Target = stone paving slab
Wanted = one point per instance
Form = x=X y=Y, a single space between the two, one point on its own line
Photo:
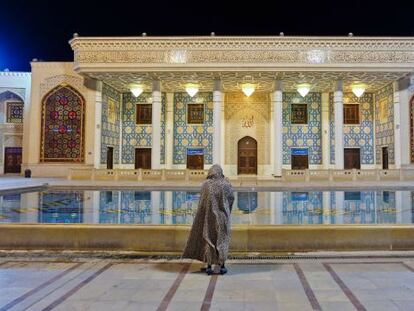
x=96 y=284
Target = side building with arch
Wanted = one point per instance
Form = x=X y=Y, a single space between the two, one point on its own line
x=14 y=105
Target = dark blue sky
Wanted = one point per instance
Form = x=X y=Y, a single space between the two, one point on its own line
x=41 y=29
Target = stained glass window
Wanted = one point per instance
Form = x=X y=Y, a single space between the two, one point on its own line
x=62 y=126
x=195 y=113
x=14 y=112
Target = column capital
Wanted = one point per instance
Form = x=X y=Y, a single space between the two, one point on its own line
x=278 y=85
x=339 y=85
x=93 y=84
x=217 y=85
x=156 y=85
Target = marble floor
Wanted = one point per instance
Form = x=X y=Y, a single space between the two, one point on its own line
x=142 y=284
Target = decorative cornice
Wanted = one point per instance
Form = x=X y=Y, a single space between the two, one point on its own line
x=241 y=43
x=15 y=74
x=38 y=64
x=214 y=53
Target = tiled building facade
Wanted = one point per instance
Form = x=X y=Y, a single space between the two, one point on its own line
x=273 y=129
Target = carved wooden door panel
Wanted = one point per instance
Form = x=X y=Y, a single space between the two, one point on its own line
x=352 y=158
x=247 y=156
x=110 y=158
x=12 y=159
x=143 y=158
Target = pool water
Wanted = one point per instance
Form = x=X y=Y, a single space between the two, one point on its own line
x=179 y=207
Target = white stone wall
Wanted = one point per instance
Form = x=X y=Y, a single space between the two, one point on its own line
x=11 y=134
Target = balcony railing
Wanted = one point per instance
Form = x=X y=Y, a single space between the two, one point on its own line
x=137 y=175
x=196 y=175
x=347 y=175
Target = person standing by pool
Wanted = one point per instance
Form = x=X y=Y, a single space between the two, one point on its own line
x=210 y=233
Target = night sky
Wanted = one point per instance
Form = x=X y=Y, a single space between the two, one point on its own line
x=41 y=29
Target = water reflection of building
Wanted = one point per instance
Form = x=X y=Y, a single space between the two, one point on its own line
x=179 y=207
x=184 y=206
x=366 y=207
x=61 y=207
x=302 y=208
x=252 y=208
x=9 y=208
x=131 y=207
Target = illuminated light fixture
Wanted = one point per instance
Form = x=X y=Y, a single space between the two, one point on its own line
x=191 y=89
x=359 y=89
x=248 y=88
x=136 y=89
x=303 y=89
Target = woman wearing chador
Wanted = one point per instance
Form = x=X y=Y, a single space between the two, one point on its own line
x=210 y=234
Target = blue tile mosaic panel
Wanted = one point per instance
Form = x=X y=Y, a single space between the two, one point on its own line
x=355 y=135
x=110 y=125
x=384 y=123
x=192 y=135
x=139 y=135
x=303 y=135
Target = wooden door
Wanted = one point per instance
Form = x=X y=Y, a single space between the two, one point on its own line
x=195 y=161
x=352 y=158
x=12 y=159
x=385 y=158
x=143 y=158
x=300 y=162
x=247 y=156
x=110 y=158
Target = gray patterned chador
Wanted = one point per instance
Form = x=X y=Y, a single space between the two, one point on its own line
x=210 y=234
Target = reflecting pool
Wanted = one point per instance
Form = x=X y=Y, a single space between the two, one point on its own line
x=179 y=207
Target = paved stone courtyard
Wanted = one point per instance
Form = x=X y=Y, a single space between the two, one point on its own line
x=143 y=284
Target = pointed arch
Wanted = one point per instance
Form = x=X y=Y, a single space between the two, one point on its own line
x=247 y=155
x=62 y=136
x=9 y=95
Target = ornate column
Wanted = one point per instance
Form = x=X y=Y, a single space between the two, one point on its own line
x=339 y=126
x=404 y=95
x=98 y=126
x=277 y=145
x=156 y=125
x=397 y=127
x=217 y=104
x=325 y=131
x=169 y=131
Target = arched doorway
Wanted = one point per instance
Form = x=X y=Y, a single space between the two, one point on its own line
x=62 y=126
x=412 y=129
x=247 y=156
